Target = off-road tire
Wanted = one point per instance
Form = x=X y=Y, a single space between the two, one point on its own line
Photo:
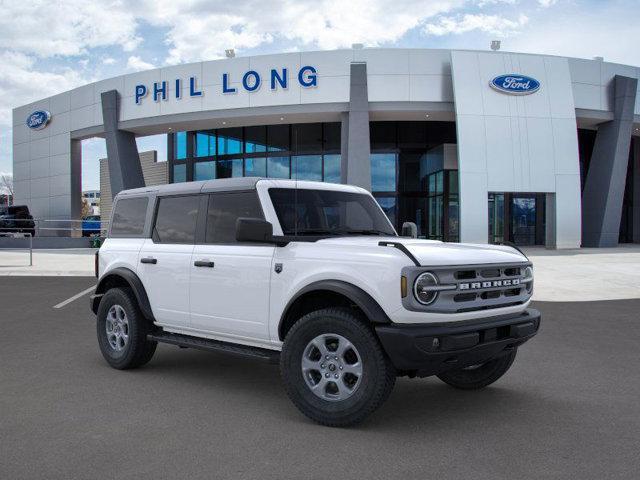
x=138 y=351
x=376 y=383
x=481 y=376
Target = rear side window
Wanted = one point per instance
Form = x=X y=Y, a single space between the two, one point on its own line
x=176 y=219
x=129 y=216
x=224 y=209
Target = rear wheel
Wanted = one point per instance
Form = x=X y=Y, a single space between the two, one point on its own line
x=334 y=369
x=122 y=331
x=479 y=376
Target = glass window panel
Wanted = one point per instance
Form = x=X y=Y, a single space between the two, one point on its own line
x=307 y=137
x=180 y=146
x=229 y=141
x=176 y=219
x=383 y=135
x=332 y=136
x=255 y=139
x=435 y=207
x=204 y=170
x=278 y=138
x=128 y=217
x=383 y=172
x=412 y=134
x=332 y=168
x=255 y=167
x=439 y=182
x=205 y=144
x=388 y=205
x=278 y=167
x=454 y=220
x=224 y=209
x=307 y=167
x=311 y=212
x=180 y=173
x=432 y=184
x=229 y=168
x=453 y=182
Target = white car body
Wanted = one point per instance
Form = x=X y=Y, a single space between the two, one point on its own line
x=242 y=299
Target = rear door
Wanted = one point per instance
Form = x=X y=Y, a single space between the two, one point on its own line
x=164 y=264
x=230 y=280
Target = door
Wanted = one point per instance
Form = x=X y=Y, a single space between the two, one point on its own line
x=164 y=263
x=523 y=219
x=230 y=280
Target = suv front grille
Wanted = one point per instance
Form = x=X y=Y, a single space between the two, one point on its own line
x=474 y=288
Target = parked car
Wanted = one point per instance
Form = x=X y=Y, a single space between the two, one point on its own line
x=17 y=219
x=313 y=276
x=91 y=225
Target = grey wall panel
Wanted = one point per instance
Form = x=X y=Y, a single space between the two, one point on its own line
x=125 y=171
x=604 y=187
x=515 y=143
x=358 y=171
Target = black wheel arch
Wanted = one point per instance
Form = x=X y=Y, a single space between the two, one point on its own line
x=337 y=289
x=123 y=277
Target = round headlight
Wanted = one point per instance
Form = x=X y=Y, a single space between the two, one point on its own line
x=527 y=279
x=423 y=288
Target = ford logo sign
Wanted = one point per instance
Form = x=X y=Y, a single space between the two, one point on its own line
x=515 y=84
x=38 y=119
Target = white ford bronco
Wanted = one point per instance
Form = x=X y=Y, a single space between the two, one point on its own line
x=310 y=275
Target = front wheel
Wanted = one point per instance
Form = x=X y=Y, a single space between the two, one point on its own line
x=479 y=376
x=334 y=369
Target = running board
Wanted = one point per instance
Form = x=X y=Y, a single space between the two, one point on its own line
x=270 y=356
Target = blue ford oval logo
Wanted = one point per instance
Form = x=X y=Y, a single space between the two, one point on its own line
x=38 y=119
x=515 y=84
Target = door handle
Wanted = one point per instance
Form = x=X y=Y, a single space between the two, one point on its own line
x=149 y=260
x=203 y=263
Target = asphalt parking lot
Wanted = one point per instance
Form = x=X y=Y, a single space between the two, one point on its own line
x=569 y=407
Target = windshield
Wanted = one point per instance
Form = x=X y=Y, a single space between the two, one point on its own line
x=328 y=212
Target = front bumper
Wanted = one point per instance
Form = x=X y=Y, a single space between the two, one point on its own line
x=431 y=349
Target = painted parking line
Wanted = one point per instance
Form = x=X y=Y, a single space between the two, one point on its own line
x=75 y=297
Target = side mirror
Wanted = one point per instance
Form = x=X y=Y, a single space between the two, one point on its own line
x=254 y=230
x=409 y=229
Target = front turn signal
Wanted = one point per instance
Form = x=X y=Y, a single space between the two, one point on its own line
x=403 y=286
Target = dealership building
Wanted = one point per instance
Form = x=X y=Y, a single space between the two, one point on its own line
x=472 y=146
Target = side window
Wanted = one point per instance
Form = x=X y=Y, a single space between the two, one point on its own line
x=128 y=217
x=176 y=219
x=224 y=209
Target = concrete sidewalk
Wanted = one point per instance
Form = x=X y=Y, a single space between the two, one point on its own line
x=586 y=274
x=63 y=262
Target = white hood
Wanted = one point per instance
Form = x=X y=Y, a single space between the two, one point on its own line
x=436 y=253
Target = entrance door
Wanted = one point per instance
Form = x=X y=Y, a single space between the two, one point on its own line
x=523 y=219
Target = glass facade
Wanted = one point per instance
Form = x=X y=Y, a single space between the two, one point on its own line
x=308 y=151
x=410 y=179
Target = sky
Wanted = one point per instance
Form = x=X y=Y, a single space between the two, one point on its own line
x=47 y=47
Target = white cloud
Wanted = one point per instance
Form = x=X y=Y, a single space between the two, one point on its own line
x=200 y=31
x=547 y=3
x=21 y=83
x=108 y=61
x=135 y=63
x=46 y=28
x=491 y=24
